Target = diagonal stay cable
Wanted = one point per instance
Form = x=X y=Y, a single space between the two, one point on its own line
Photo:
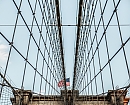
x=42 y=38
x=34 y=41
x=108 y=61
x=60 y=37
x=103 y=32
x=77 y=42
x=14 y=30
x=48 y=30
x=28 y=61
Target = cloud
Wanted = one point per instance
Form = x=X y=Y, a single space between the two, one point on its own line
x=3 y=54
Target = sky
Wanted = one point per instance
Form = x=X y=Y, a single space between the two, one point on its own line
x=68 y=15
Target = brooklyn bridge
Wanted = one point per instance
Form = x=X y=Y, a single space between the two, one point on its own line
x=64 y=52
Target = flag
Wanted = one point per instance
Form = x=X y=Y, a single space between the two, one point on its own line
x=61 y=83
x=67 y=81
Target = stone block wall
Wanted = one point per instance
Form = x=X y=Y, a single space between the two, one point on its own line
x=25 y=97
